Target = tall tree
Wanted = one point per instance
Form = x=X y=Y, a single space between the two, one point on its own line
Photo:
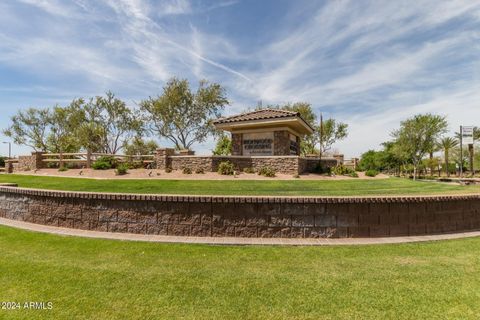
x=182 y=116
x=118 y=122
x=447 y=144
x=329 y=132
x=223 y=146
x=62 y=137
x=138 y=146
x=30 y=128
x=417 y=135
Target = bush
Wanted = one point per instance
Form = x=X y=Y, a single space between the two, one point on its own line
x=371 y=173
x=226 y=168
x=64 y=168
x=187 y=170
x=52 y=165
x=353 y=174
x=341 y=170
x=168 y=170
x=70 y=165
x=321 y=170
x=104 y=163
x=122 y=169
x=199 y=171
x=249 y=170
x=267 y=172
x=2 y=161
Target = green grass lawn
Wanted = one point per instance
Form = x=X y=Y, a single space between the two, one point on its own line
x=392 y=186
x=106 y=279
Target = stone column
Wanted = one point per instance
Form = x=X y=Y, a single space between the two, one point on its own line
x=162 y=158
x=339 y=158
x=37 y=157
x=237 y=144
x=281 y=143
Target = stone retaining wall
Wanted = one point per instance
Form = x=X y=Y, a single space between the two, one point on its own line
x=222 y=216
x=281 y=164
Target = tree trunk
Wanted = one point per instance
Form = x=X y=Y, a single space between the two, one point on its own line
x=414 y=172
x=447 y=169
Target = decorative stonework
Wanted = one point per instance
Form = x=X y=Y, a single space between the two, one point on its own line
x=242 y=216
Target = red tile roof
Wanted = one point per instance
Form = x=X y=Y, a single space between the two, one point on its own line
x=260 y=115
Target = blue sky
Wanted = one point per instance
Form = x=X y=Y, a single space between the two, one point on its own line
x=368 y=63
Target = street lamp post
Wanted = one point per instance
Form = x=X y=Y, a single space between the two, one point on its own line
x=9 y=149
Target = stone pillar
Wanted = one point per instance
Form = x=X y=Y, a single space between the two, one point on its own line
x=162 y=158
x=9 y=166
x=37 y=157
x=281 y=143
x=339 y=158
x=186 y=152
x=237 y=144
x=298 y=145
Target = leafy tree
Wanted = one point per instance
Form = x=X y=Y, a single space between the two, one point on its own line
x=63 y=123
x=118 y=122
x=329 y=132
x=2 y=161
x=447 y=144
x=139 y=146
x=223 y=146
x=182 y=116
x=417 y=135
x=89 y=131
x=30 y=128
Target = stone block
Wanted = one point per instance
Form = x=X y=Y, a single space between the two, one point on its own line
x=107 y=215
x=223 y=231
x=280 y=221
x=246 y=232
x=256 y=221
x=127 y=216
x=178 y=230
x=399 y=230
x=158 y=229
x=303 y=221
x=358 y=232
x=315 y=209
x=190 y=219
x=117 y=227
x=347 y=220
x=234 y=221
x=138 y=227
x=379 y=231
x=297 y=232
x=325 y=220
x=201 y=231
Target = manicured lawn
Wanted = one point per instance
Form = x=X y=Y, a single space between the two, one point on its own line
x=392 y=186
x=104 y=279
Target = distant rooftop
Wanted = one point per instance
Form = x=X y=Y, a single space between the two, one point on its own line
x=263 y=114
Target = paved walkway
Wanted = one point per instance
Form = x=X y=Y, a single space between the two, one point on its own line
x=229 y=241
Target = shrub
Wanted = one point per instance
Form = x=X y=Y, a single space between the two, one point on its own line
x=70 y=165
x=341 y=170
x=168 y=170
x=226 y=168
x=2 y=161
x=321 y=170
x=187 y=170
x=353 y=174
x=104 y=163
x=134 y=165
x=371 y=173
x=249 y=170
x=52 y=165
x=267 y=172
x=64 y=168
x=121 y=169
x=199 y=171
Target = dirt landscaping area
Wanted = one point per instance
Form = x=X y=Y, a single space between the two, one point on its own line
x=178 y=175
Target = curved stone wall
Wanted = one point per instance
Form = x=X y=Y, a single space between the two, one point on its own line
x=225 y=216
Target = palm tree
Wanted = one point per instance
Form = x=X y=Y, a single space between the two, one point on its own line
x=447 y=144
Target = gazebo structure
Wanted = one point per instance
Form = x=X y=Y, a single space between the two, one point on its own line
x=266 y=132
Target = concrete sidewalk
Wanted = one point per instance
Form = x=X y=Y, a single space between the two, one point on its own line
x=229 y=241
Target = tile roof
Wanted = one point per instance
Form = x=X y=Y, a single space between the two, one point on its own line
x=259 y=115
